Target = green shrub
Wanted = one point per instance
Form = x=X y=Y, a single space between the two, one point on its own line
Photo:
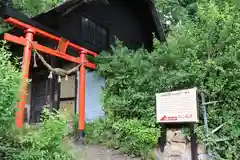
x=135 y=136
x=43 y=141
x=9 y=81
x=127 y=135
x=129 y=102
x=203 y=52
x=30 y=142
x=96 y=131
x=46 y=141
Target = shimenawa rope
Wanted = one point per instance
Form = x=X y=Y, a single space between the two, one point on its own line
x=58 y=71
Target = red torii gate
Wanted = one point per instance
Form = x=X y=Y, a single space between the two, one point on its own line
x=29 y=44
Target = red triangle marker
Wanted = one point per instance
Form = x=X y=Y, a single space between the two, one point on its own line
x=163 y=118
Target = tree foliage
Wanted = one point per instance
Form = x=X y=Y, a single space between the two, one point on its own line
x=173 y=12
x=31 y=8
x=201 y=52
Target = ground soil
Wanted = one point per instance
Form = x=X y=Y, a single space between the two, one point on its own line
x=96 y=152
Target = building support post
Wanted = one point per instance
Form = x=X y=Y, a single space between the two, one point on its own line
x=24 y=78
x=81 y=104
x=52 y=87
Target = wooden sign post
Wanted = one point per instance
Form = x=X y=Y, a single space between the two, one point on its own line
x=179 y=107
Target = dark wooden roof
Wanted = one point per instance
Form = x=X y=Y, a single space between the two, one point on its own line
x=70 y=5
x=42 y=20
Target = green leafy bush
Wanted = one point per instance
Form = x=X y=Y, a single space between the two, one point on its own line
x=129 y=102
x=31 y=142
x=201 y=52
x=127 y=135
x=45 y=141
x=135 y=136
x=9 y=81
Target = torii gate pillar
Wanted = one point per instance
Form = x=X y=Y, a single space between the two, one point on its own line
x=81 y=91
x=24 y=78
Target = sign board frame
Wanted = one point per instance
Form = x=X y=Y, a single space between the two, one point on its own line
x=180 y=106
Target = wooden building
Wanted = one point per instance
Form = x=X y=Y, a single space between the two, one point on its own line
x=93 y=25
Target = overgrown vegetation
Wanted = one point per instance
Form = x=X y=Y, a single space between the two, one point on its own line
x=8 y=90
x=30 y=143
x=202 y=51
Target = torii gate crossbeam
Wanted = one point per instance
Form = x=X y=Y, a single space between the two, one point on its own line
x=29 y=45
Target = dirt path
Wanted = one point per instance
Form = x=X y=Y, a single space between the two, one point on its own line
x=94 y=152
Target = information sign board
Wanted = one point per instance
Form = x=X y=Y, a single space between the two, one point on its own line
x=177 y=106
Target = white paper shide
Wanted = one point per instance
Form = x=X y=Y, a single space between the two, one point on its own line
x=177 y=106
